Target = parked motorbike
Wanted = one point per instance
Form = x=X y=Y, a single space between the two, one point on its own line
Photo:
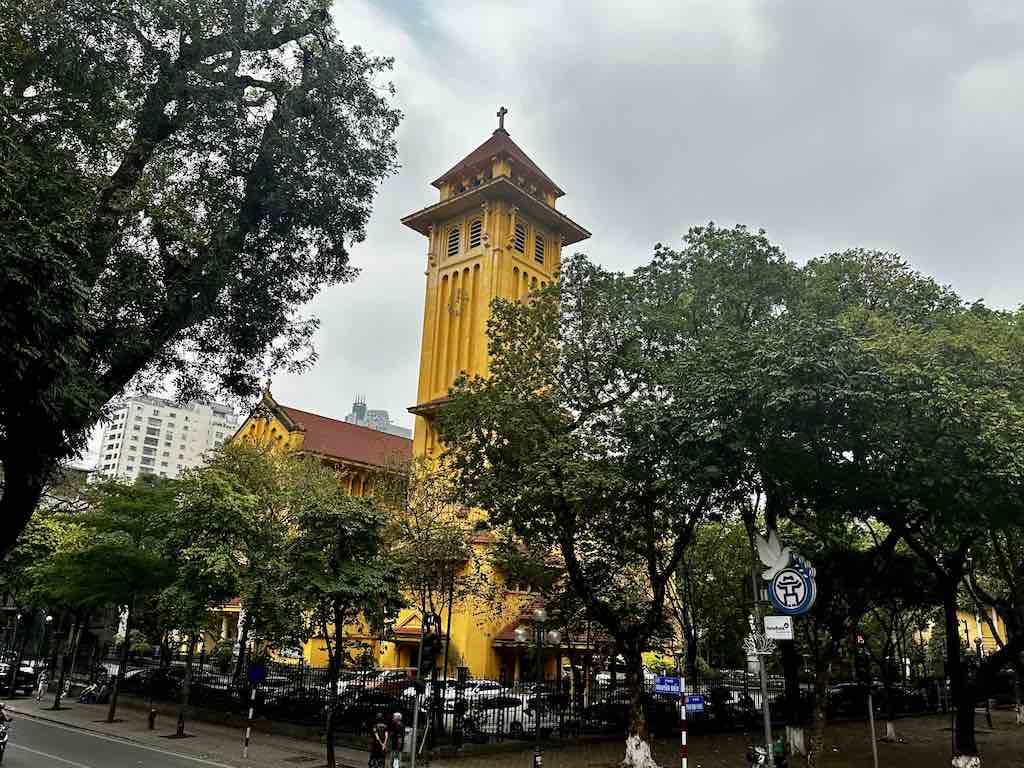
x=89 y=695
x=757 y=756
x=5 y=732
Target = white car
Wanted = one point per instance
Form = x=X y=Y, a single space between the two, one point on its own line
x=504 y=715
x=605 y=677
x=485 y=689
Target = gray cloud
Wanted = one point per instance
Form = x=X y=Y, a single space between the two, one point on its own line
x=885 y=125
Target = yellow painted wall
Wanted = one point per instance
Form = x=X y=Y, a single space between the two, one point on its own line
x=461 y=283
x=970 y=622
x=459 y=291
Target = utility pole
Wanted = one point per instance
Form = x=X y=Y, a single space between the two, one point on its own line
x=758 y=626
x=426 y=621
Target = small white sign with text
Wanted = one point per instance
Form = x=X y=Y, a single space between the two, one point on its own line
x=778 y=627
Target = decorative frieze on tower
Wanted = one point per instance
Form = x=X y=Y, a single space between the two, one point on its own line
x=495 y=232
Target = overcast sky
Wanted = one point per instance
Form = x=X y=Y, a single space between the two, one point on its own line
x=891 y=125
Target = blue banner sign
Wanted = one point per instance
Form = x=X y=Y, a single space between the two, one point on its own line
x=668 y=685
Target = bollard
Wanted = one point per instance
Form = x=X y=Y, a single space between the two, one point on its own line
x=152 y=718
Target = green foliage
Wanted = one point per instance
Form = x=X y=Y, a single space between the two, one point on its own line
x=18 y=568
x=710 y=595
x=271 y=614
x=594 y=435
x=214 y=521
x=114 y=550
x=430 y=536
x=338 y=566
x=176 y=181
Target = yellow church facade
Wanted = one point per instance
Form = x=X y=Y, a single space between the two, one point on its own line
x=494 y=232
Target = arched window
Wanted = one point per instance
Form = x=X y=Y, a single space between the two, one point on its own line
x=476 y=233
x=453 y=242
x=520 y=238
x=538 y=248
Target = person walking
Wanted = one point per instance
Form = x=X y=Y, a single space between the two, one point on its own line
x=378 y=742
x=396 y=737
x=42 y=683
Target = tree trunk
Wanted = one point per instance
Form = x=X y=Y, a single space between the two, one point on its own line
x=17 y=662
x=889 y=705
x=794 y=723
x=185 y=685
x=243 y=637
x=822 y=678
x=64 y=662
x=638 y=748
x=24 y=480
x=1018 y=707
x=335 y=658
x=122 y=666
x=448 y=629
x=965 y=747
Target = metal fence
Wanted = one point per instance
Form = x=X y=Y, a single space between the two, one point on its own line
x=462 y=709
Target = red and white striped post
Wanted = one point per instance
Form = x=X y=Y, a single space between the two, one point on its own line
x=684 y=750
x=248 y=725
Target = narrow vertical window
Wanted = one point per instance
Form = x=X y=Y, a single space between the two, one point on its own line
x=538 y=248
x=476 y=233
x=453 y=242
x=520 y=238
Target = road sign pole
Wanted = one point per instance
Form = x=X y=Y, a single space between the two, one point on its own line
x=871 y=719
x=762 y=666
x=419 y=682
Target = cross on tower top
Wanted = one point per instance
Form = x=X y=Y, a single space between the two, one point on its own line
x=501 y=118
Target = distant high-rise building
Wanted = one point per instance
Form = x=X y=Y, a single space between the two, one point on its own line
x=153 y=436
x=374 y=418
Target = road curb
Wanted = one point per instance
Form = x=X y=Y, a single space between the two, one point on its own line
x=77 y=726
x=127 y=739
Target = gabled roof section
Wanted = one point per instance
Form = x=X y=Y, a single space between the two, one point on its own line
x=500 y=143
x=349 y=442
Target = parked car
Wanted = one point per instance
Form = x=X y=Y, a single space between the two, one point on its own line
x=25 y=679
x=444 y=689
x=851 y=699
x=485 y=689
x=605 y=676
x=614 y=710
x=506 y=715
x=357 y=711
x=159 y=682
x=356 y=679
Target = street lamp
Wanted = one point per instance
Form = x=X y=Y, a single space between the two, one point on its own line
x=553 y=637
x=48 y=641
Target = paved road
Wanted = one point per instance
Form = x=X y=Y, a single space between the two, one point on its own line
x=35 y=744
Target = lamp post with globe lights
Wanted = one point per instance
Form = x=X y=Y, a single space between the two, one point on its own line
x=553 y=637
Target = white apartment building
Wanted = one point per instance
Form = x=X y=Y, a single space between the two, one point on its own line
x=153 y=436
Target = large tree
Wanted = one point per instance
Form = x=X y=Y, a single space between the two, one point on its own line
x=592 y=438
x=113 y=554
x=176 y=180
x=909 y=415
x=215 y=520
x=339 y=571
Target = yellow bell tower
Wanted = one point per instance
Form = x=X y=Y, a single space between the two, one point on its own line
x=494 y=232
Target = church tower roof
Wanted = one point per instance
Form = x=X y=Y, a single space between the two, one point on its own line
x=498 y=146
x=498 y=170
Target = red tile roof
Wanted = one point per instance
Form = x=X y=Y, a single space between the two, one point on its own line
x=341 y=440
x=500 y=143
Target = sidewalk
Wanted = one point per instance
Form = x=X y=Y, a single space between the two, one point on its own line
x=216 y=743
